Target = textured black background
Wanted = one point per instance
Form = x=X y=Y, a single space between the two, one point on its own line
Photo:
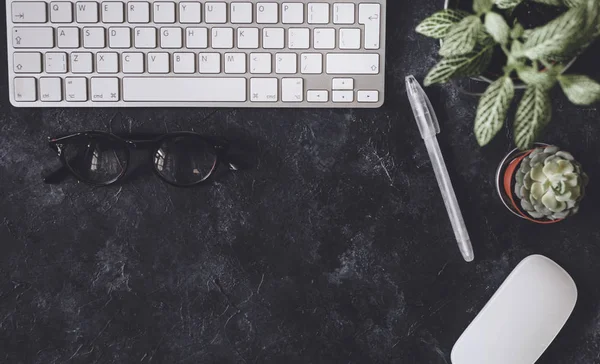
x=333 y=248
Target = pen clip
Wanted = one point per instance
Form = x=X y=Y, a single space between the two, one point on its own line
x=421 y=105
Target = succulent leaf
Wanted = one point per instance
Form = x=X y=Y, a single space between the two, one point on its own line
x=550 y=184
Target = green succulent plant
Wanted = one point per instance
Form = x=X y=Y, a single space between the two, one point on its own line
x=537 y=57
x=550 y=184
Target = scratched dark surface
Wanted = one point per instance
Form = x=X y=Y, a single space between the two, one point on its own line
x=334 y=247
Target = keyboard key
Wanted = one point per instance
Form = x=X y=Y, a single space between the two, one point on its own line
x=87 y=11
x=196 y=38
x=76 y=89
x=180 y=89
x=184 y=63
x=138 y=12
x=112 y=12
x=350 y=39
x=215 y=13
x=324 y=38
x=247 y=38
x=317 y=96
x=145 y=38
x=285 y=63
x=299 y=38
x=27 y=62
x=343 y=14
x=25 y=89
x=263 y=90
x=158 y=62
x=164 y=12
x=93 y=38
x=50 y=89
x=29 y=12
x=273 y=38
x=292 y=90
x=190 y=13
x=209 y=62
x=343 y=84
x=368 y=15
x=293 y=13
x=267 y=13
x=241 y=13
x=107 y=62
x=56 y=62
x=171 y=38
x=260 y=63
x=132 y=62
x=318 y=13
x=353 y=63
x=38 y=37
x=222 y=38
x=119 y=37
x=368 y=96
x=68 y=37
x=235 y=63
x=81 y=62
x=343 y=96
x=105 y=89
x=311 y=63
x=61 y=12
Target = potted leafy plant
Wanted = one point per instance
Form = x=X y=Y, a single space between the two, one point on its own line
x=535 y=56
x=544 y=185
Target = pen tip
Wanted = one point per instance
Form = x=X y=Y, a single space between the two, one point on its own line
x=469 y=257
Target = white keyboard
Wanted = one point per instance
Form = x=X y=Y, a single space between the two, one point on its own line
x=228 y=53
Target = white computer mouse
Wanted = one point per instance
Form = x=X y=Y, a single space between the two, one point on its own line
x=522 y=318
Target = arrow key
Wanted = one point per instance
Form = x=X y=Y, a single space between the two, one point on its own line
x=343 y=96
x=317 y=96
x=368 y=96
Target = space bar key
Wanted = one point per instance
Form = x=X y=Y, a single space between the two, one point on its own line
x=184 y=89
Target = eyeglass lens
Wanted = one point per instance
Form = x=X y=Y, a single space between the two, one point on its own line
x=185 y=160
x=96 y=159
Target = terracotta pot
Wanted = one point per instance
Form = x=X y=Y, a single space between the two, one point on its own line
x=505 y=183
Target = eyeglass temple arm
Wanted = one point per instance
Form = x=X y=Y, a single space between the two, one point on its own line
x=57 y=176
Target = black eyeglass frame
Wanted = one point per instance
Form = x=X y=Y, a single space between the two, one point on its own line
x=220 y=147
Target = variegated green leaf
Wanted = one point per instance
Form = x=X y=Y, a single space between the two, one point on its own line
x=438 y=25
x=573 y=3
x=507 y=4
x=497 y=27
x=493 y=108
x=470 y=64
x=482 y=6
x=545 y=79
x=581 y=90
x=533 y=114
x=550 y=2
x=462 y=37
x=554 y=37
x=517 y=31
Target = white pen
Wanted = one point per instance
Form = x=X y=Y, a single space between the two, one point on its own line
x=429 y=128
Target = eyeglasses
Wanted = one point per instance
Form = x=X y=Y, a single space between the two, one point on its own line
x=181 y=159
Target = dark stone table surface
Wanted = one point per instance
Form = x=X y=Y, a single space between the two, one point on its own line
x=333 y=247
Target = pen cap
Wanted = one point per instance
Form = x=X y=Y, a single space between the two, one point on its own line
x=421 y=106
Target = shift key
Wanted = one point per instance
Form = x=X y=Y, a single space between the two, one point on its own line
x=353 y=64
x=33 y=37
